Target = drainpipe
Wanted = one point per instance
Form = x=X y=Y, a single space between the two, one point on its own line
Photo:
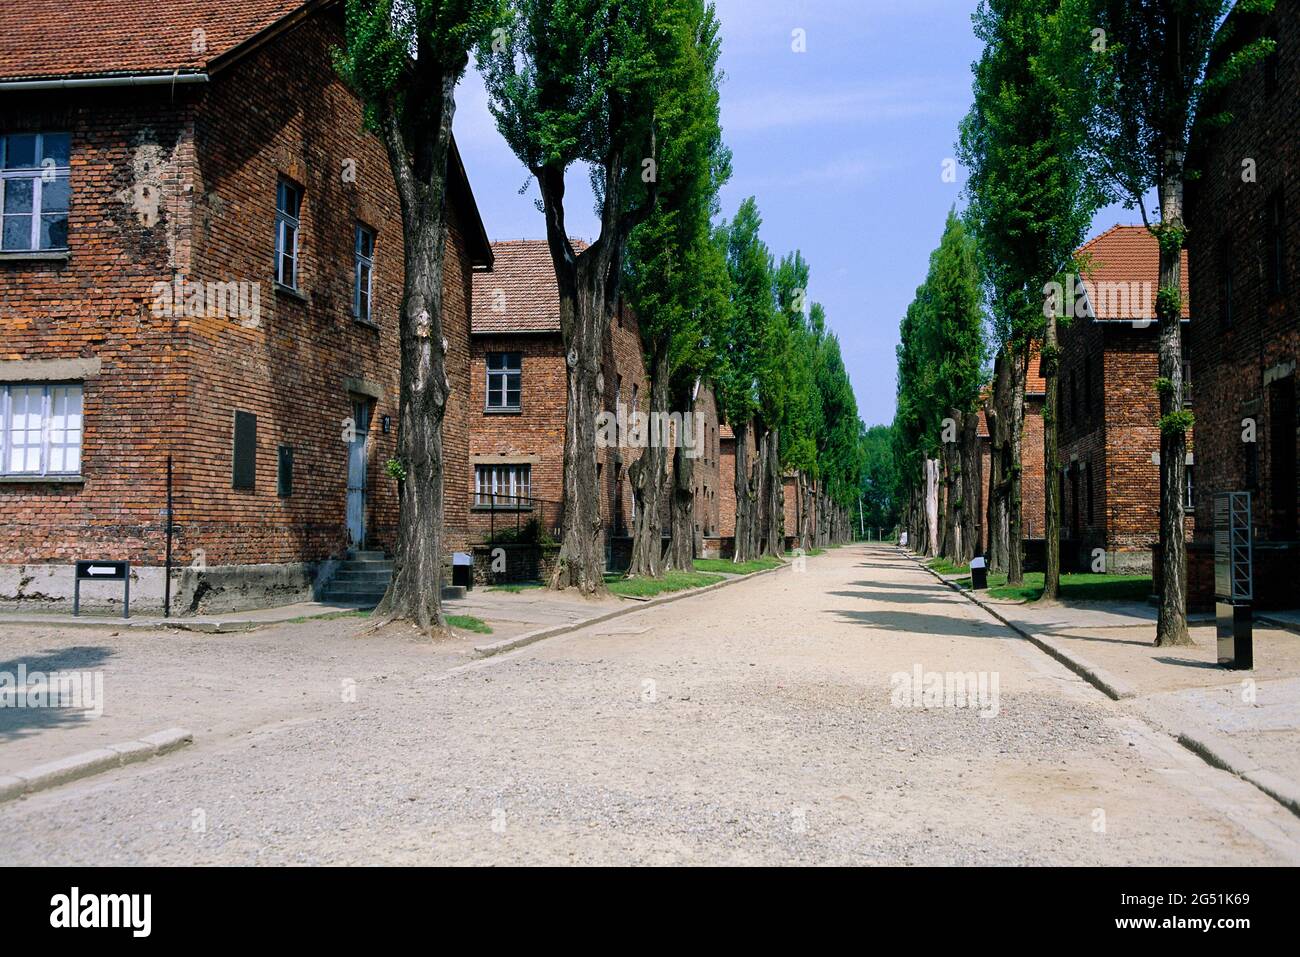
x=77 y=83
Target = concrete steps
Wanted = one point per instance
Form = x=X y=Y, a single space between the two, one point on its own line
x=362 y=579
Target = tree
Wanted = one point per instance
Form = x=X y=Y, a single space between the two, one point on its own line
x=404 y=60
x=1030 y=205
x=676 y=283
x=802 y=413
x=742 y=342
x=1153 y=66
x=878 y=478
x=581 y=81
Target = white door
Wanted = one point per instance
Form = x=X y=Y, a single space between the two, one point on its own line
x=357 y=461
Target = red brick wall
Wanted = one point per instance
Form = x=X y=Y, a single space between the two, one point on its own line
x=727 y=482
x=1033 y=507
x=707 y=478
x=1232 y=361
x=173 y=384
x=94 y=305
x=535 y=434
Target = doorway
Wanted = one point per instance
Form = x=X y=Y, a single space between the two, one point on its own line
x=358 y=460
x=1282 y=438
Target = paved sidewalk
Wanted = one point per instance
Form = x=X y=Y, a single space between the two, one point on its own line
x=1246 y=721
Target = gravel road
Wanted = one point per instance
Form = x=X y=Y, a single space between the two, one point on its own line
x=756 y=724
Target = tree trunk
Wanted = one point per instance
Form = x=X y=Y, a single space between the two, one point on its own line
x=1051 y=463
x=998 y=411
x=650 y=482
x=1171 y=624
x=419 y=170
x=1015 y=433
x=742 y=549
x=682 y=547
x=971 y=488
x=774 y=504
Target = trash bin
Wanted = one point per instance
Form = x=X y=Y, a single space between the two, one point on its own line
x=1235 y=625
x=979 y=574
x=462 y=569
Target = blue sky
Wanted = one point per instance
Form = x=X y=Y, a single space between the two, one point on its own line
x=843 y=145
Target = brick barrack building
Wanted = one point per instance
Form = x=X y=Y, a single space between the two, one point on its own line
x=518 y=408
x=202 y=258
x=1243 y=239
x=1109 y=407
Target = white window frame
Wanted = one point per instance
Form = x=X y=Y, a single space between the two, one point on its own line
x=504 y=480
x=502 y=390
x=48 y=393
x=363 y=264
x=287 y=224
x=37 y=175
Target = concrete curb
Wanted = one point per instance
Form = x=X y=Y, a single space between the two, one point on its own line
x=1212 y=748
x=1215 y=750
x=207 y=625
x=552 y=631
x=1098 y=677
x=1278 y=623
x=53 y=773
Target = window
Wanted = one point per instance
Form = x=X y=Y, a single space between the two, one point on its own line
x=34 y=191
x=284 y=472
x=1189 y=488
x=288 y=207
x=1275 y=245
x=1227 y=265
x=503 y=486
x=40 y=429
x=244 y=456
x=1251 y=452
x=504 y=375
x=1187 y=384
x=363 y=272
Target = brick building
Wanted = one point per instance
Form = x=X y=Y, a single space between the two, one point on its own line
x=1243 y=241
x=1109 y=407
x=1033 y=501
x=204 y=261
x=518 y=402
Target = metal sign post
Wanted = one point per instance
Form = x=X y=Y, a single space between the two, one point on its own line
x=1234 y=580
x=103 y=572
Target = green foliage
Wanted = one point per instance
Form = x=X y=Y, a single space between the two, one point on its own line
x=675 y=277
x=401 y=58
x=469 y=623
x=1177 y=423
x=1144 y=101
x=1164 y=386
x=1169 y=302
x=1032 y=194
x=942 y=354
x=396 y=470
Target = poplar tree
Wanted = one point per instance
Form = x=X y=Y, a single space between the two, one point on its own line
x=404 y=59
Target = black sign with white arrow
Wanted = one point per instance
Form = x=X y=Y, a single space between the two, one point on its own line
x=102 y=571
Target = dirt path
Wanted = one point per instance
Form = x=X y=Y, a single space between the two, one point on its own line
x=751 y=725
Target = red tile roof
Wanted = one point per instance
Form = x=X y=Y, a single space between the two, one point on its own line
x=1126 y=254
x=520 y=293
x=1035 y=384
x=88 y=38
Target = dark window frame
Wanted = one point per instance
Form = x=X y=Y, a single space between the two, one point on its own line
x=498 y=381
